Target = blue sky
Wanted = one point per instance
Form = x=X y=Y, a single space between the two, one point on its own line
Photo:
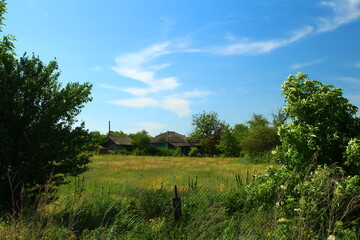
x=153 y=64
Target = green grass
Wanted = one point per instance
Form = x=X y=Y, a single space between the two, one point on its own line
x=114 y=173
x=130 y=197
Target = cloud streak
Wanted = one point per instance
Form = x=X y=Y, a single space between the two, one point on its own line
x=260 y=47
x=177 y=103
x=345 y=11
x=306 y=64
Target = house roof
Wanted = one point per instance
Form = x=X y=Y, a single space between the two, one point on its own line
x=121 y=141
x=172 y=138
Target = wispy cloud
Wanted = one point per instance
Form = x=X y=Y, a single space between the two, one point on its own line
x=195 y=94
x=137 y=102
x=151 y=127
x=345 y=11
x=136 y=66
x=97 y=68
x=179 y=106
x=350 y=80
x=167 y=24
x=306 y=64
x=245 y=47
x=357 y=64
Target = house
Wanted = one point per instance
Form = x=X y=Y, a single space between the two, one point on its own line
x=172 y=140
x=118 y=143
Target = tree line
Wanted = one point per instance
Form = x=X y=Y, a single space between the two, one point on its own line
x=253 y=139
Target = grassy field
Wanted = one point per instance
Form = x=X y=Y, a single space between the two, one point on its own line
x=113 y=173
x=130 y=197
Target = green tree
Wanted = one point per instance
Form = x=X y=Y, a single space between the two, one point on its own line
x=257 y=120
x=207 y=130
x=38 y=142
x=141 y=141
x=97 y=139
x=117 y=134
x=260 y=137
x=323 y=129
x=279 y=117
x=259 y=140
x=229 y=144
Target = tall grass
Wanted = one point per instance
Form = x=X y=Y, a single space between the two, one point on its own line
x=129 y=197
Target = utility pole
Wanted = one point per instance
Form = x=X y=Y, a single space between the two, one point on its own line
x=109 y=129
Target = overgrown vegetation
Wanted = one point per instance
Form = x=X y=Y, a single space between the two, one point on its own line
x=314 y=194
x=38 y=142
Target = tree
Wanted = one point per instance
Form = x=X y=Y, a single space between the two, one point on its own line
x=141 y=140
x=97 y=139
x=207 y=130
x=279 y=118
x=38 y=142
x=324 y=127
x=117 y=134
x=258 y=120
x=260 y=138
x=229 y=144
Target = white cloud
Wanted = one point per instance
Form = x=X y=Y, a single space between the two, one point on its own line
x=345 y=11
x=136 y=66
x=177 y=105
x=193 y=94
x=159 y=85
x=137 y=102
x=245 y=47
x=152 y=125
x=306 y=64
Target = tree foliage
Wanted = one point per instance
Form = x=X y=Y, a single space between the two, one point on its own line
x=259 y=140
x=257 y=120
x=117 y=134
x=207 y=130
x=260 y=137
x=229 y=144
x=38 y=143
x=323 y=126
x=141 y=140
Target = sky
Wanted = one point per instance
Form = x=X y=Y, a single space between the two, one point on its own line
x=154 y=64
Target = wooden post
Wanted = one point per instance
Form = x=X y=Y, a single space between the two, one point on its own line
x=177 y=205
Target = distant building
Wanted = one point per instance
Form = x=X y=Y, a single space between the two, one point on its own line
x=172 y=140
x=118 y=143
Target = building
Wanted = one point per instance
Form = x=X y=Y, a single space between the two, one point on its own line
x=118 y=143
x=172 y=140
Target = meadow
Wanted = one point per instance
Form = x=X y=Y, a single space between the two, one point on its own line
x=116 y=172
x=130 y=197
